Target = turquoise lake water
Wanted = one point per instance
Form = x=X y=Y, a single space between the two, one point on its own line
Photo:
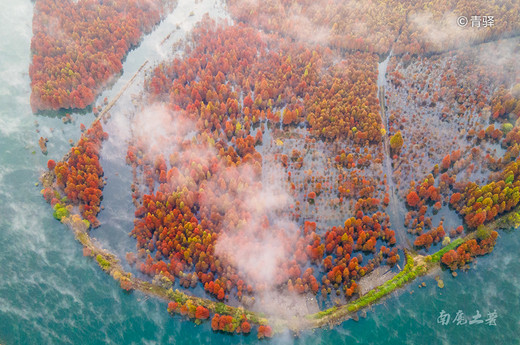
x=51 y=294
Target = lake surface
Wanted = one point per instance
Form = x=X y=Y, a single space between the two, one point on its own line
x=51 y=294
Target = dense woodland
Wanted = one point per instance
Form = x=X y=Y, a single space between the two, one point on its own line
x=274 y=137
x=178 y=220
x=79 y=177
x=416 y=27
x=77 y=47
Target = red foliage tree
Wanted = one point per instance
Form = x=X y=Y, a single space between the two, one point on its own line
x=412 y=199
x=51 y=164
x=215 y=321
x=202 y=313
x=446 y=162
x=245 y=326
